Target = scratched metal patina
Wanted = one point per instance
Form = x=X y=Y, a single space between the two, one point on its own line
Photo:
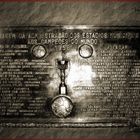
x=95 y=101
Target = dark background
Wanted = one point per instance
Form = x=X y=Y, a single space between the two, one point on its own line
x=69 y=13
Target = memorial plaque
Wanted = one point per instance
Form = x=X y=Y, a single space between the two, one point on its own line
x=70 y=76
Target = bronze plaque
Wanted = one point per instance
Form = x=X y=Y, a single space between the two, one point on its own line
x=69 y=76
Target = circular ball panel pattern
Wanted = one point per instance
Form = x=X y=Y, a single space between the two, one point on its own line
x=39 y=51
x=85 y=51
x=62 y=106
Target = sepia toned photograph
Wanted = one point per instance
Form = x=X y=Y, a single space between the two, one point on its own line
x=69 y=69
